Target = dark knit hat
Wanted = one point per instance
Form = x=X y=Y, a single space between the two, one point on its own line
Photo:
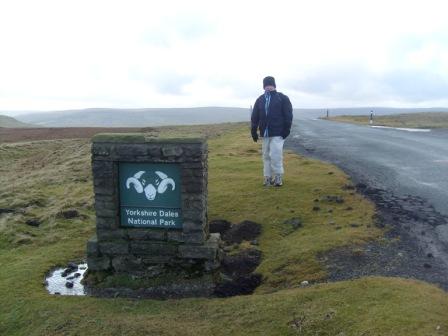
x=269 y=80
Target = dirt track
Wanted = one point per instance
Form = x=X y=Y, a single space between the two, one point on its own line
x=30 y=134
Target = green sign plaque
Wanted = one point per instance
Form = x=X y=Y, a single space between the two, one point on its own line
x=150 y=195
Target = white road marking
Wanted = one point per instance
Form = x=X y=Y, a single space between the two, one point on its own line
x=404 y=129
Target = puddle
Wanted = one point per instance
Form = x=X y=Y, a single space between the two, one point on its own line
x=67 y=280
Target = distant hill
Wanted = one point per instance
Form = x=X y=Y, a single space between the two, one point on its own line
x=147 y=117
x=151 y=117
x=10 y=122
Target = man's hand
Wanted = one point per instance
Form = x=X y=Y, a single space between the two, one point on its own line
x=255 y=136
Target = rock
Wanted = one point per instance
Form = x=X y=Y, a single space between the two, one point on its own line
x=349 y=208
x=70 y=277
x=33 y=222
x=69 y=284
x=246 y=230
x=77 y=275
x=72 y=266
x=426 y=265
x=316 y=200
x=295 y=222
x=332 y=222
x=70 y=213
x=82 y=267
x=355 y=225
x=334 y=199
x=219 y=226
x=304 y=283
x=338 y=227
x=254 y=242
x=316 y=208
x=57 y=293
x=361 y=186
x=330 y=173
x=430 y=255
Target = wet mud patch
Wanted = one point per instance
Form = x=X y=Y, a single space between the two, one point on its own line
x=246 y=230
x=411 y=248
x=238 y=263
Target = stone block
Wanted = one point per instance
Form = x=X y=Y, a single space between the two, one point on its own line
x=172 y=150
x=103 y=212
x=109 y=235
x=127 y=263
x=102 y=168
x=98 y=263
x=193 y=165
x=146 y=234
x=105 y=190
x=130 y=150
x=105 y=205
x=175 y=236
x=191 y=226
x=107 y=222
x=113 y=199
x=153 y=248
x=116 y=247
x=151 y=260
x=194 y=187
x=92 y=247
x=193 y=216
x=198 y=252
x=194 y=237
x=99 y=149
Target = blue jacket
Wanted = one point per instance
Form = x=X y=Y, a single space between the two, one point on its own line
x=278 y=119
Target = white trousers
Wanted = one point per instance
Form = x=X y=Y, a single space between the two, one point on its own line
x=273 y=155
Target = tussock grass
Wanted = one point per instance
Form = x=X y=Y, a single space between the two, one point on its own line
x=43 y=178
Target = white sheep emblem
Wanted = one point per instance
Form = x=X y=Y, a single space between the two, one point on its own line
x=151 y=183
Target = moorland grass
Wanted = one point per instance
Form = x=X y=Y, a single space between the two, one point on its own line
x=41 y=179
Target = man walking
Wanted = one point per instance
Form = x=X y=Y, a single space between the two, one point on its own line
x=272 y=116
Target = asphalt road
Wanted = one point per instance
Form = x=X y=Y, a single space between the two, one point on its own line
x=398 y=161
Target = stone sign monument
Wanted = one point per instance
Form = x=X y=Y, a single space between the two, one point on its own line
x=151 y=214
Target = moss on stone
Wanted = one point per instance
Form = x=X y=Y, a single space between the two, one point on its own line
x=144 y=138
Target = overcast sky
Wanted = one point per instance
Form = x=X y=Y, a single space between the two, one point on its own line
x=78 y=54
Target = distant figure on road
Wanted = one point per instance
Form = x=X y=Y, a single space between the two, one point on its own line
x=272 y=116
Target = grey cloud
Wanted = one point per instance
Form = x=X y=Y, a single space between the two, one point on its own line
x=416 y=85
x=358 y=84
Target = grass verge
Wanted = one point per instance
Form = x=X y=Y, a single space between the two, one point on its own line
x=408 y=120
